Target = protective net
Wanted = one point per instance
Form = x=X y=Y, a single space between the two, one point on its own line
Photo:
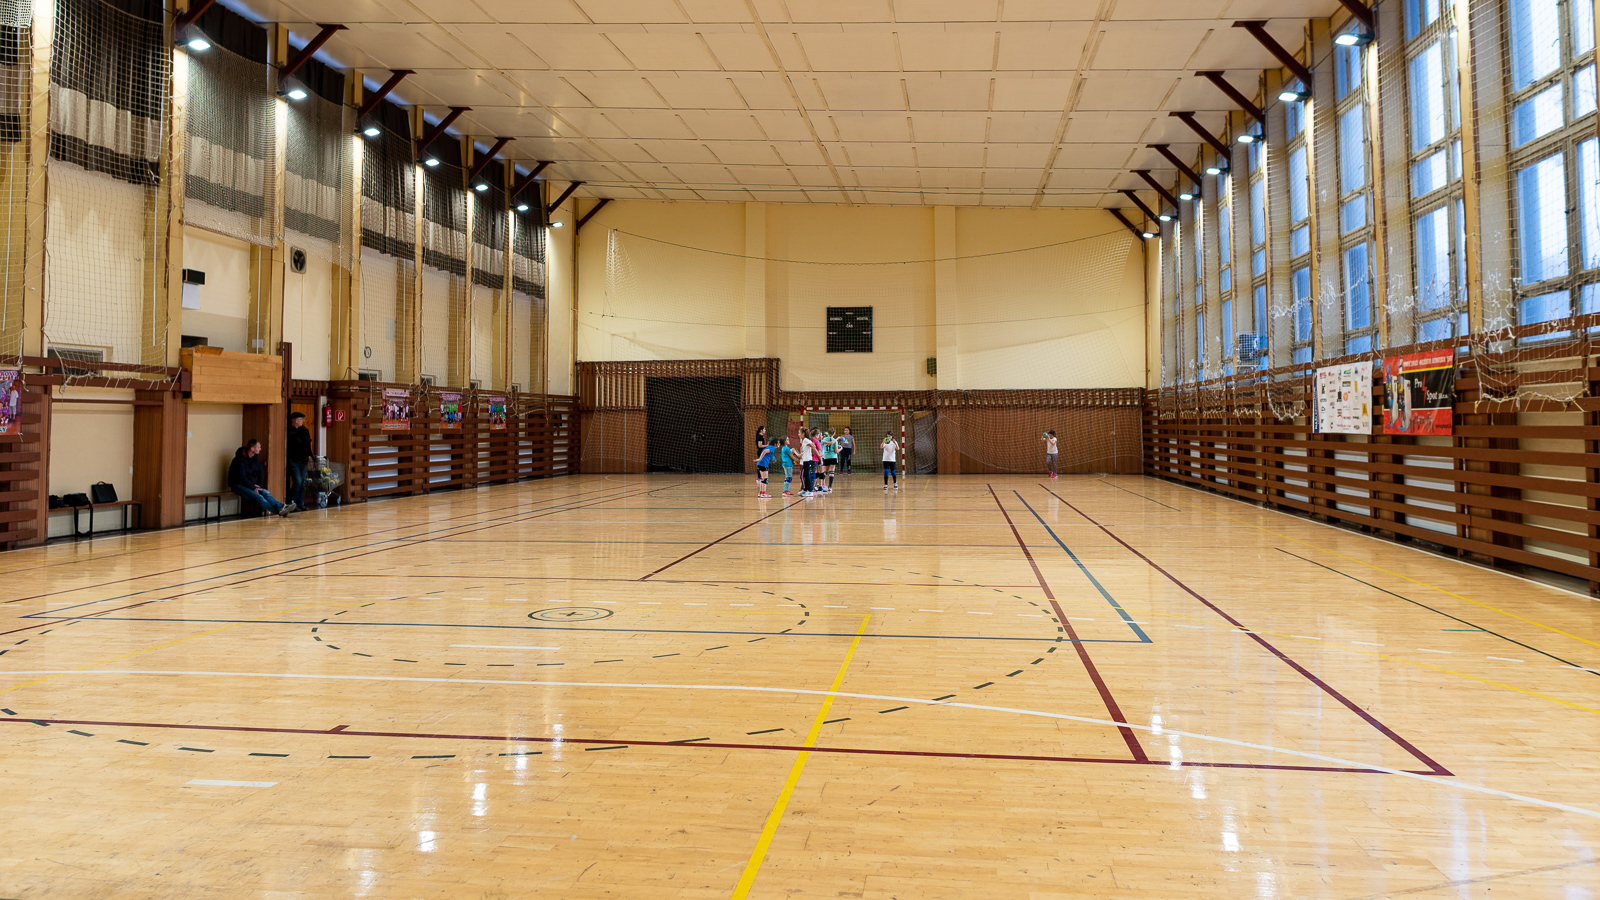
x=445 y=298
x=388 y=242
x=489 y=227
x=528 y=307
x=232 y=131
x=316 y=166
x=16 y=47
x=105 y=269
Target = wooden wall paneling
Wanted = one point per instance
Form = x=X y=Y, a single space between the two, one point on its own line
x=160 y=455
x=25 y=471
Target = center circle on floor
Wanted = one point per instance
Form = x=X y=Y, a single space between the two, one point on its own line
x=570 y=614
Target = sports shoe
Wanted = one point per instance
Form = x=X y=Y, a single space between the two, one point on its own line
x=886 y=487
x=788 y=493
x=897 y=485
x=283 y=511
x=763 y=495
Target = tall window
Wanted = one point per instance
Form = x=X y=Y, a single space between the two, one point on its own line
x=1225 y=269
x=1550 y=75
x=1433 y=95
x=1355 y=199
x=1299 y=184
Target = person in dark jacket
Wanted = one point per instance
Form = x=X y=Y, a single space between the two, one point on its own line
x=299 y=458
x=246 y=477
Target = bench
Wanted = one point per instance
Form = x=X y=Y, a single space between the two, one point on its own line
x=124 y=505
x=205 y=503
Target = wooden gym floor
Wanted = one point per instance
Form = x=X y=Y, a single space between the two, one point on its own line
x=648 y=687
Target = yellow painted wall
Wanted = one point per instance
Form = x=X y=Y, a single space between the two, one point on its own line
x=224 y=313
x=308 y=316
x=561 y=290
x=90 y=443
x=1021 y=299
x=214 y=434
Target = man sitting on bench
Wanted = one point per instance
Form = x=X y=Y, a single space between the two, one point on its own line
x=245 y=477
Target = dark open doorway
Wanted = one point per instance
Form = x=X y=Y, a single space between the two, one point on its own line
x=694 y=425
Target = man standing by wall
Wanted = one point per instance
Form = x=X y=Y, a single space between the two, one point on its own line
x=299 y=458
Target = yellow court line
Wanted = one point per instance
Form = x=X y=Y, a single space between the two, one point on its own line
x=768 y=831
x=1410 y=579
x=149 y=649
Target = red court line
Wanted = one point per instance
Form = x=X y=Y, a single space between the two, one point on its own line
x=721 y=539
x=343 y=731
x=1112 y=709
x=1386 y=731
x=218 y=562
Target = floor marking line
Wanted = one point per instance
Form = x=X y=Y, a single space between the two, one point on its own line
x=1326 y=688
x=720 y=540
x=150 y=649
x=1143 y=638
x=217 y=782
x=1449 y=783
x=1410 y=579
x=769 y=830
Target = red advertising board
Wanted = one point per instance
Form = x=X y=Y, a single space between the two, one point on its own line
x=1419 y=392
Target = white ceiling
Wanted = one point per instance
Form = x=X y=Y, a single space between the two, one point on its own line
x=951 y=102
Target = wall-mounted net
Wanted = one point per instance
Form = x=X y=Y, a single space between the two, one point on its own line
x=444 y=264
x=232 y=131
x=16 y=48
x=105 y=266
x=388 y=240
x=317 y=167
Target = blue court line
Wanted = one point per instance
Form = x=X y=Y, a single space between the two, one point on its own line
x=1143 y=638
x=559 y=506
x=848 y=634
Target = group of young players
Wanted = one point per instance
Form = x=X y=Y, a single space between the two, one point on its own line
x=819 y=455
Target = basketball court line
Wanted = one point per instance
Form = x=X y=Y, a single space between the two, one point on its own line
x=1447 y=781
x=1326 y=688
x=1143 y=638
x=1053 y=639
x=1110 y=702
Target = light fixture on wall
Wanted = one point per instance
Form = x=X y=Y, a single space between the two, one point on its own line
x=522 y=207
x=430 y=162
x=1186 y=195
x=1354 y=39
x=1149 y=234
x=555 y=224
x=1248 y=138
x=1216 y=170
x=1294 y=96
x=198 y=44
x=480 y=187
x=294 y=93
x=1165 y=217
x=371 y=131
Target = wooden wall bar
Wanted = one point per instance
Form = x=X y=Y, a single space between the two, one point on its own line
x=1516 y=485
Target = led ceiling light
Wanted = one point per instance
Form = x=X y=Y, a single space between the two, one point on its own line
x=198 y=44
x=1354 y=39
x=294 y=94
x=430 y=162
x=371 y=131
x=1294 y=96
x=522 y=207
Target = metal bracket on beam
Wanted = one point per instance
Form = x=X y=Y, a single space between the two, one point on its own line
x=308 y=51
x=1258 y=30
x=1124 y=220
x=1165 y=194
x=528 y=180
x=1241 y=100
x=1361 y=11
x=1188 y=119
x=1173 y=158
x=371 y=102
x=480 y=165
x=196 y=10
x=563 y=198
x=437 y=131
x=590 y=214
x=1148 y=212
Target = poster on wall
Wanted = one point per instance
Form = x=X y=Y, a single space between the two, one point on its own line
x=1419 y=392
x=10 y=401
x=450 y=412
x=396 y=409
x=497 y=414
x=1344 y=399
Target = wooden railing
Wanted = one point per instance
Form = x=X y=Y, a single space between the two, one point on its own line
x=1516 y=484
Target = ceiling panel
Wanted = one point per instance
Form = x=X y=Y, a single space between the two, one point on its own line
x=911 y=101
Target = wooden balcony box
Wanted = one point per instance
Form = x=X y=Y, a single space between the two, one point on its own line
x=221 y=376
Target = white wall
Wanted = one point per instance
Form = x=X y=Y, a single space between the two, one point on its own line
x=224 y=313
x=90 y=443
x=561 y=291
x=1016 y=299
x=308 y=310
x=95 y=249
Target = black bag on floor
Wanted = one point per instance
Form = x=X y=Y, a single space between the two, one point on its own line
x=103 y=492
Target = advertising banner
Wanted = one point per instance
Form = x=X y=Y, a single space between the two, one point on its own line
x=449 y=412
x=497 y=414
x=1344 y=399
x=1419 y=392
x=10 y=401
x=396 y=409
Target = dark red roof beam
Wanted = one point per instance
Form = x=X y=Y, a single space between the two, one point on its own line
x=1188 y=119
x=306 y=52
x=563 y=198
x=528 y=180
x=376 y=97
x=1165 y=194
x=1241 y=100
x=488 y=157
x=1173 y=158
x=437 y=131
x=1148 y=212
x=1124 y=220
x=1258 y=30
x=590 y=214
x=196 y=10
x=1361 y=11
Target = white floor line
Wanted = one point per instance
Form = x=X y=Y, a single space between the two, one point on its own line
x=214 y=782
x=1505 y=659
x=502 y=647
x=1446 y=783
